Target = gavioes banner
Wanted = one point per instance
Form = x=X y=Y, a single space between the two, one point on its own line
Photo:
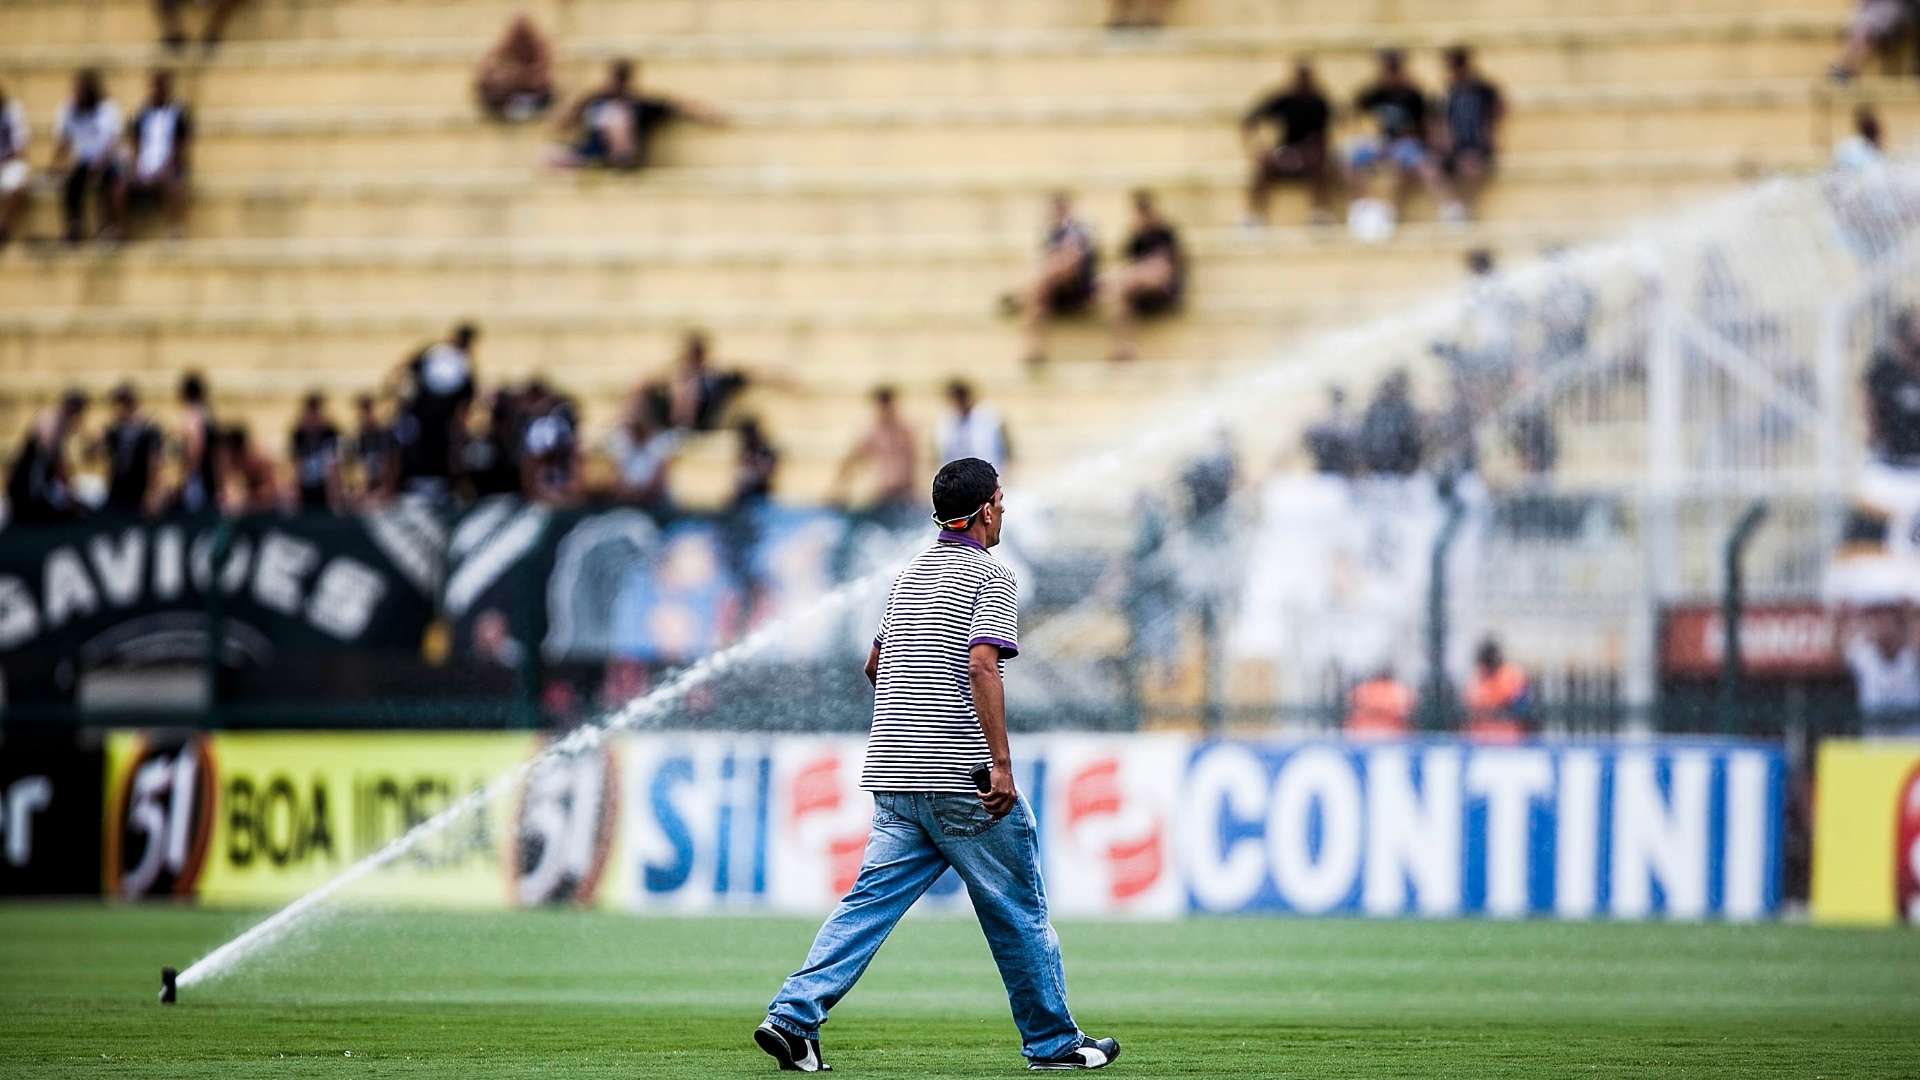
x=1132 y=826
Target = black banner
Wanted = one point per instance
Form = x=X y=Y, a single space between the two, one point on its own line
x=133 y=594
x=50 y=806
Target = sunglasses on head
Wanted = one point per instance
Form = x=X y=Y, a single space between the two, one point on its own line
x=961 y=524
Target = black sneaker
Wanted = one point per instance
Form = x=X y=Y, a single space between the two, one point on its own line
x=1092 y=1053
x=794 y=1053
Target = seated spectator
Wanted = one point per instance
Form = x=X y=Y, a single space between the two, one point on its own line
x=162 y=137
x=87 y=141
x=614 y=125
x=1499 y=698
x=1066 y=280
x=1151 y=281
x=515 y=80
x=132 y=446
x=493 y=460
x=1333 y=441
x=39 y=486
x=1470 y=116
x=1885 y=664
x=199 y=489
x=549 y=447
x=695 y=396
x=376 y=454
x=1875 y=23
x=755 y=466
x=1893 y=395
x=1399 y=142
x=1380 y=708
x=314 y=449
x=641 y=451
x=886 y=448
x=973 y=429
x=432 y=425
x=1136 y=14
x=1390 y=430
x=249 y=482
x=15 y=173
x=174 y=37
x=1301 y=115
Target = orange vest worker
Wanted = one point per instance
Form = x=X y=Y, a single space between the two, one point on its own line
x=1379 y=709
x=1495 y=703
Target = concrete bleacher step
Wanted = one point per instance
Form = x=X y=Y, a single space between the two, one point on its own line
x=65 y=22
x=737 y=69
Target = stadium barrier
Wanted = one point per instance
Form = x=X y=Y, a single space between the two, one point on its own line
x=50 y=824
x=1866 y=832
x=1148 y=826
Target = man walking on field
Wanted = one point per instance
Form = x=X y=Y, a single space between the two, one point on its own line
x=939 y=719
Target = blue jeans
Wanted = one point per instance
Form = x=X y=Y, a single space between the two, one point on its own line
x=914 y=839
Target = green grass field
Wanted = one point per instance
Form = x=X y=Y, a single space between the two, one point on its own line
x=570 y=994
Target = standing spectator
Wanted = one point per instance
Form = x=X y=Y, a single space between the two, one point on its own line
x=1861 y=152
x=1499 y=698
x=1470 y=118
x=162 y=138
x=376 y=452
x=973 y=429
x=199 y=482
x=132 y=447
x=493 y=461
x=1893 y=394
x=1066 y=278
x=15 y=173
x=1886 y=671
x=1151 y=281
x=433 y=415
x=314 y=449
x=87 y=140
x=549 y=447
x=39 y=488
x=1874 y=24
x=1390 y=431
x=755 y=466
x=249 y=483
x=1399 y=141
x=515 y=80
x=1565 y=312
x=174 y=37
x=887 y=448
x=1379 y=708
x=1136 y=14
x=695 y=395
x=1302 y=115
x=642 y=455
x=614 y=125
x=1333 y=441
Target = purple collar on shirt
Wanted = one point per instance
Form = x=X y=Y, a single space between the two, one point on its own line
x=948 y=536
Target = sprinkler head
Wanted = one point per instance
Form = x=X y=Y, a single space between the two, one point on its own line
x=167 y=988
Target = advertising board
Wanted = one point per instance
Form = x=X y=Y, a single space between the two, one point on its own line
x=1866 y=832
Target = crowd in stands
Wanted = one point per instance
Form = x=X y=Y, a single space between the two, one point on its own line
x=446 y=442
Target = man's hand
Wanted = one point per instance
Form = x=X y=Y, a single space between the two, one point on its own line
x=999 y=798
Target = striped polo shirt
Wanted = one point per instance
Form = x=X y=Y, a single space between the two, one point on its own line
x=926 y=736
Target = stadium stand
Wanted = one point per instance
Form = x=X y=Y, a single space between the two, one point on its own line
x=881 y=179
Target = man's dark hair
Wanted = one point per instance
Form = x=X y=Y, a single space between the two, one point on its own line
x=314 y=400
x=74 y=401
x=963 y=486
x=1391 y=58
x=958 y=390
x=464 y=334
x=1488 y=655
x=1458 y=56
x=193 y=388
x=883 y=395
x=1480 y=261
x=124 y=395
x=621 y=70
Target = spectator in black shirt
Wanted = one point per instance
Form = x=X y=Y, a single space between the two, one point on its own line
x=162 y=137
x=314 y=448
x=433 y=414
x=376 y=453
x=1334 y=440
x=493 y=459
x=1066 y=280
x=613 y=125
x=1470 y=118
x=1399 y=113
x=132 y=447
x=1390 y=431
x=1893 y=395
x=39 y=491
x=1150 y=281
x=549 y=447
x=754 y=467
x=1301 y=115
